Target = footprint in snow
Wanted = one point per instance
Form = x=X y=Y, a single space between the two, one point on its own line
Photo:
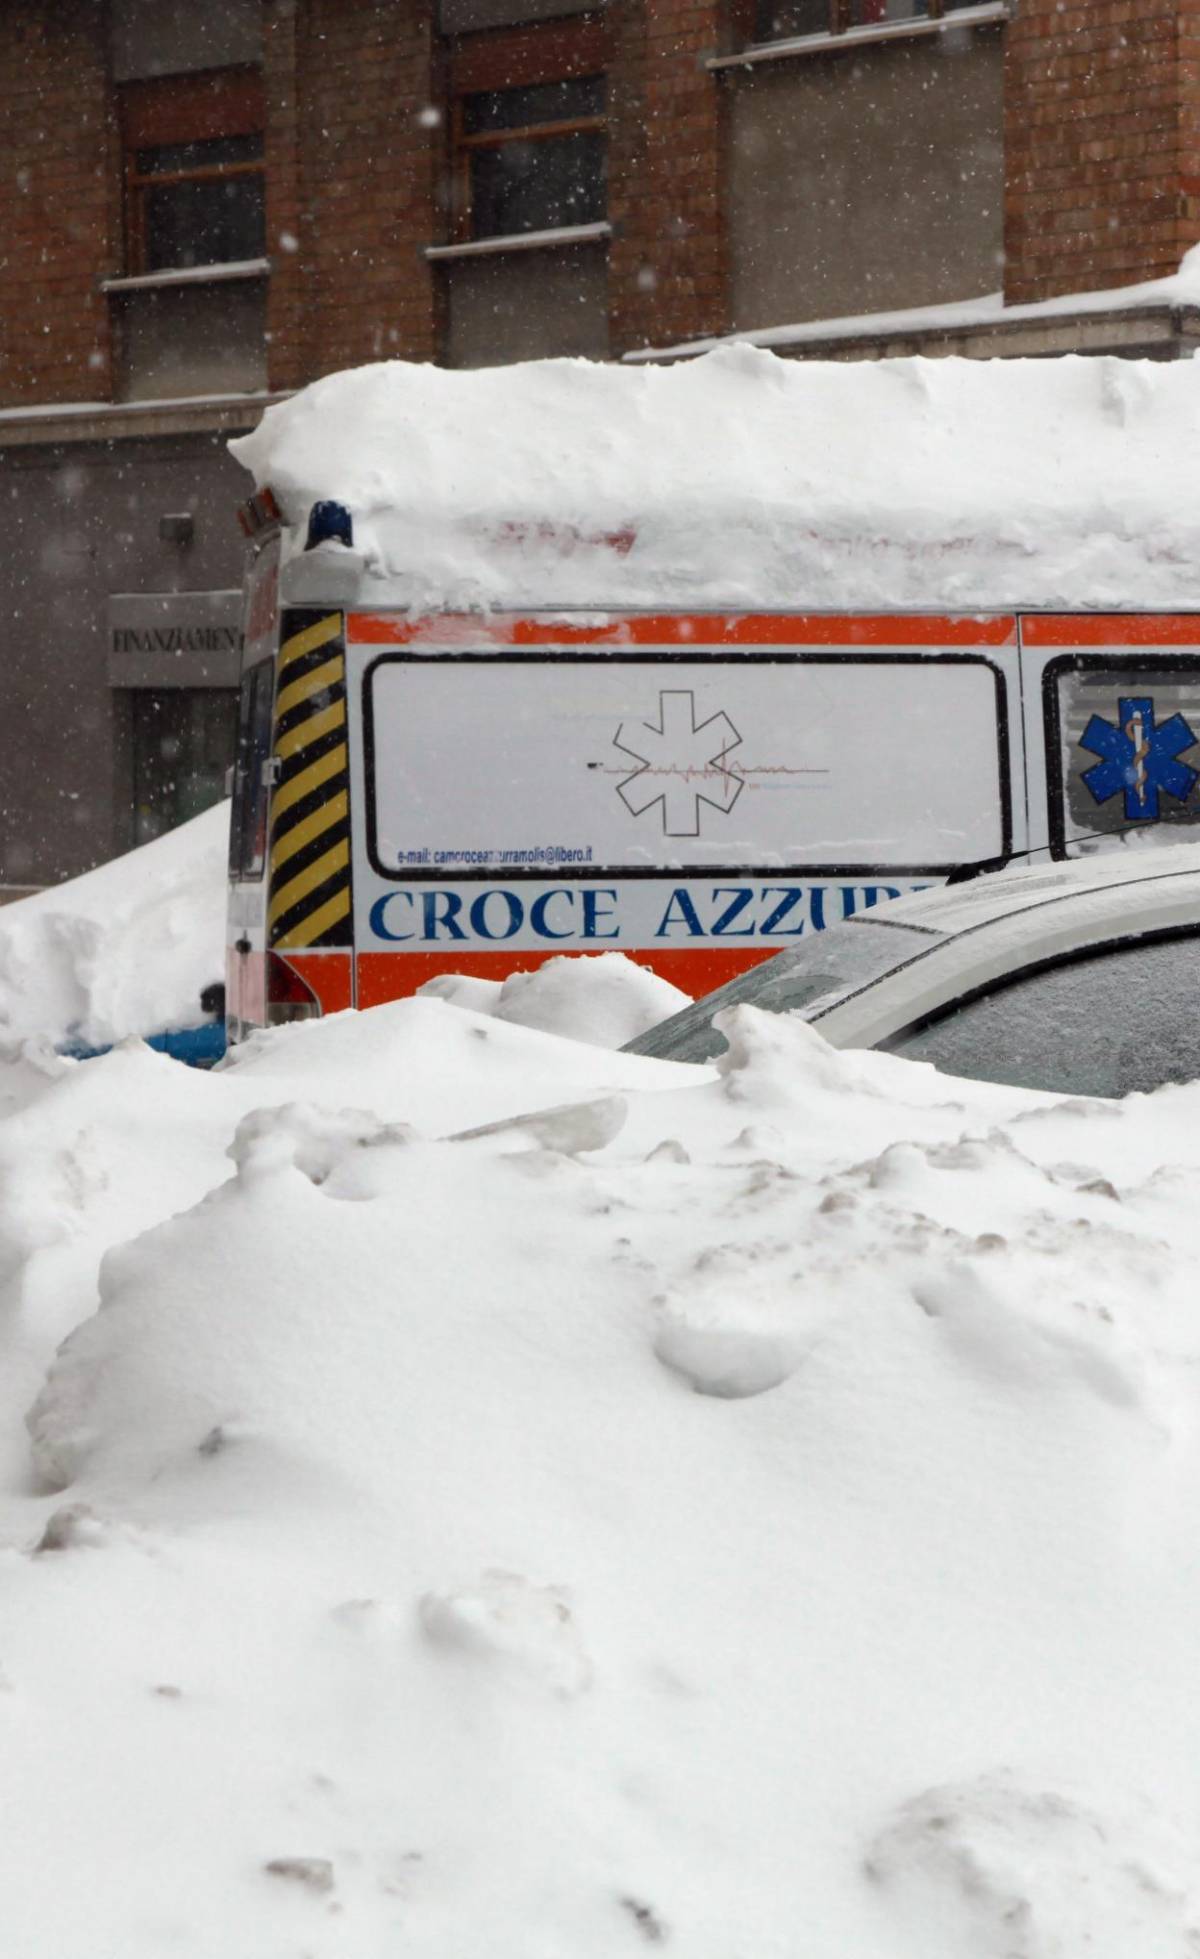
x=1000 y=1340
x=1002 y=1871
x=507 y=1621
x=729 y=1362
x=737 y=1323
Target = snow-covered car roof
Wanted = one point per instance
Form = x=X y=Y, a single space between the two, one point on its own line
x=959 y=907
x=1008 y=922
x=861 y=981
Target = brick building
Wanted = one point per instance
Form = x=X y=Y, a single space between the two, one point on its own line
x=211 y=202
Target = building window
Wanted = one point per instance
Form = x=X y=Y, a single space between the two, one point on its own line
x=189 y=312
x=784 y=19
x=194 y=185
x=177 y=37
x=184 y=739
x=532 y=158
x=197 y=203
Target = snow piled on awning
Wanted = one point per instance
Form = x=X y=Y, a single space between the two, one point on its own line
x=742 y=480
x=1179 y=290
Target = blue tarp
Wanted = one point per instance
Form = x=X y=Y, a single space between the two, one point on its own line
x=197 y=1047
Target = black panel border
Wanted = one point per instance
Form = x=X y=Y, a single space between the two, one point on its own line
x=681 y=656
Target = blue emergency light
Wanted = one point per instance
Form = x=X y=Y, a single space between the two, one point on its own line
x=329 y=523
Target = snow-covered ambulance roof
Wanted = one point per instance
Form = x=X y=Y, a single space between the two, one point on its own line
x=740 y=479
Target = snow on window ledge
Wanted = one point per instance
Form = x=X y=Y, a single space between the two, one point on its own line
x=522 y=241
x=190 y=275
x=857 y=37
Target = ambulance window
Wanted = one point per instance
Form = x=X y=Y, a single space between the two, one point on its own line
x=1122 y=748
x=248 y=830
x=1114 y=1021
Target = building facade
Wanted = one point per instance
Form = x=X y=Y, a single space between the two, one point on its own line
x=212 y=205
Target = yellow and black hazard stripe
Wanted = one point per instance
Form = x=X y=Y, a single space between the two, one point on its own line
x=309 y=888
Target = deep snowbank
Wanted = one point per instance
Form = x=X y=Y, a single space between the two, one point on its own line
x=745 y=480
x=125 y=949
x=767 y=1530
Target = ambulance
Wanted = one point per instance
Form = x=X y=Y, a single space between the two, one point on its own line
x=475 y=793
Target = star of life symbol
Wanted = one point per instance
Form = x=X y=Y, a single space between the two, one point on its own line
x=682 y=763
x=1139 y=758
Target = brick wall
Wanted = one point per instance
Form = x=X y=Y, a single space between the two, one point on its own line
x=667 y=275
x=286 y=313
x=61 y=212
x=1102 y=143
x=1189 y=122
x=1102 y=136
x=353 y=166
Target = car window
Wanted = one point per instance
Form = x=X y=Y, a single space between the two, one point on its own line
x=823 y=969
x=1124 y=1018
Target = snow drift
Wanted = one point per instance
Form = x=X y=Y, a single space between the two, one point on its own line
x=749 y=1514
x=604 y=998
x=740 y=479
x=464 y=1490
x=123 y=950
x=126 y=950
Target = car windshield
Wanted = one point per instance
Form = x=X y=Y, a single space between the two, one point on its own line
x=808 y=979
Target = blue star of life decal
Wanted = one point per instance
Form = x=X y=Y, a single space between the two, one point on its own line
x=1139 y=758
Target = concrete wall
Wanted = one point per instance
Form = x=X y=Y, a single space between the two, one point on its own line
x=175 y=37
x=465 y=16
x=191 y=339
x=522 y=305
x=80 y=524
x=861 y=181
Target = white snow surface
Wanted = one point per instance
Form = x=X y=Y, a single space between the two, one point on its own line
x=127 y=948
x=1179 y=289
x=744 y=480
x=123 y=950
x=601 y=997
x=749 y=1512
